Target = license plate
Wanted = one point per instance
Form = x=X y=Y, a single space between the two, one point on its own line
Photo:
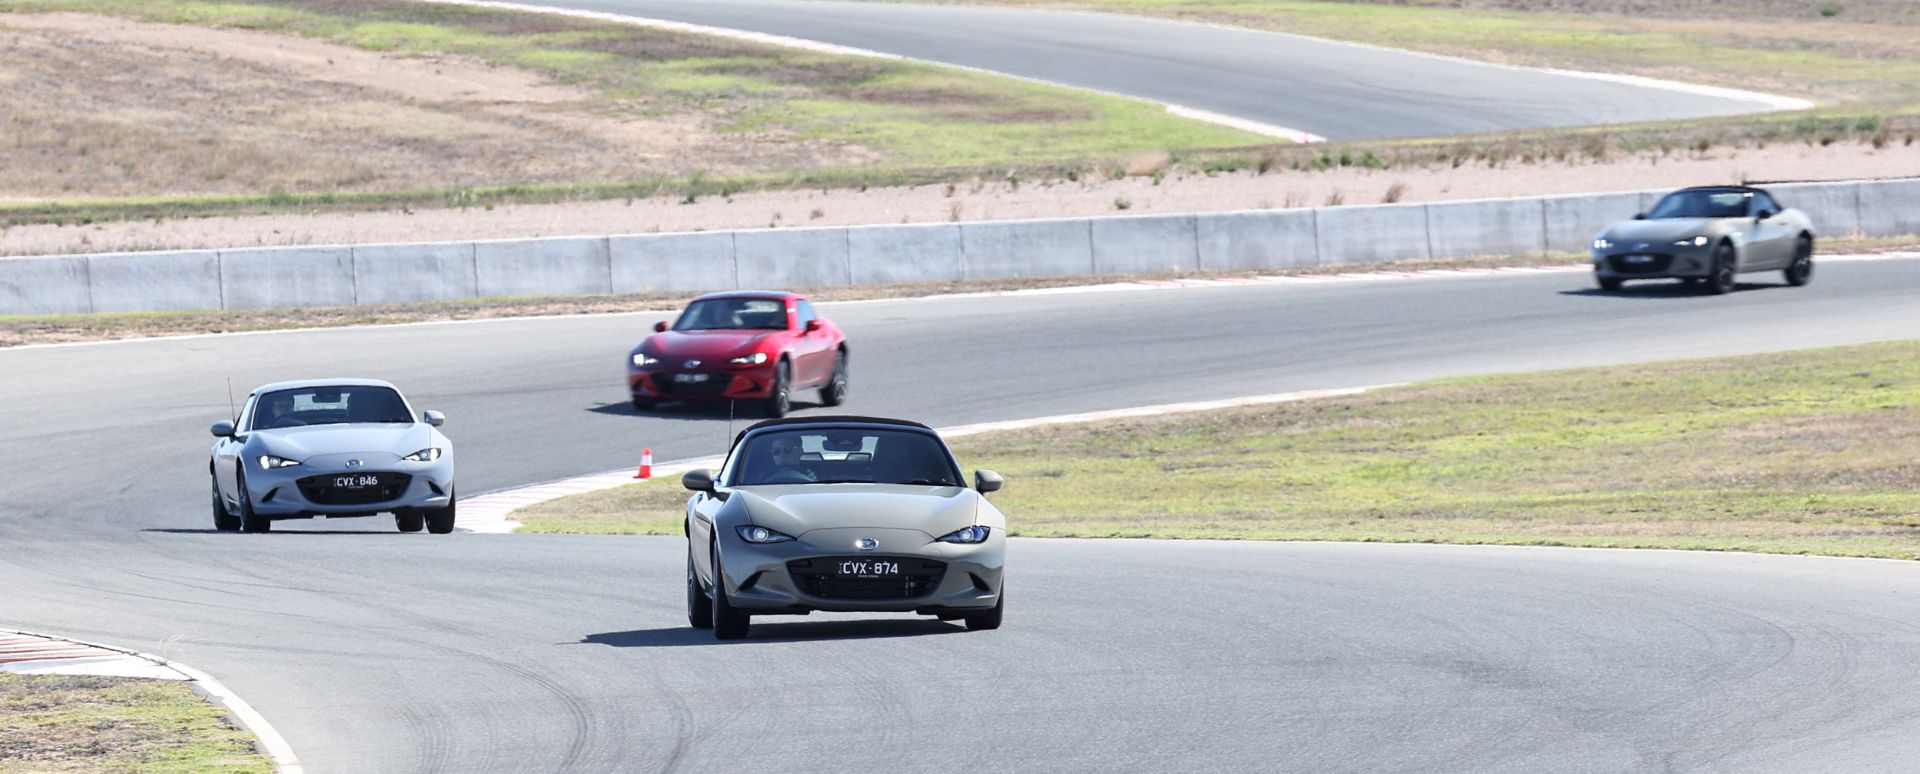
x=1637 y=258
x=689 y=378
x=355 y=482
x=877 y=568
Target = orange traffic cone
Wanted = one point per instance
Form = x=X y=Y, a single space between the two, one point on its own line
x=646 y=464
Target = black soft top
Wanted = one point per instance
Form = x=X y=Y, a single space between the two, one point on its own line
x=845 y=419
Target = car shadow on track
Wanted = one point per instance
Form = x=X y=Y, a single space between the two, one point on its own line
x=1650 y=291
x=767 y=632
x=277 y=530
x=698 y=411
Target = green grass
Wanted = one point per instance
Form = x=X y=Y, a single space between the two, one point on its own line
x=116 y=724
x=1812 y=452
x=894 y=119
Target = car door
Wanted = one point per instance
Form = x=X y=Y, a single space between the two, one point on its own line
x=1770 y=243
x=812 y=350
x=227 y=452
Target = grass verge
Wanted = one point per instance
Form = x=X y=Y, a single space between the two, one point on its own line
x=54 y=723
x=1810 y=452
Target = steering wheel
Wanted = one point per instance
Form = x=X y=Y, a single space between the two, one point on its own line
x=789 y=476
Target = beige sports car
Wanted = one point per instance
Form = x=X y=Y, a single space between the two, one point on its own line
x=1707 y=235
x=843 y=514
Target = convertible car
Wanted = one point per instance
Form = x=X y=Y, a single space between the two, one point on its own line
x=745 y=345
x=333 y=448
x=841 y=514
x=1707 y=235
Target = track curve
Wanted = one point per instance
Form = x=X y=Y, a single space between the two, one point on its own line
x=1335 y=90
x=374 y=651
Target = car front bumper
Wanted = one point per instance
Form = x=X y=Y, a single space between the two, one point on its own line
x=794 y=576
x=1654 y=262
x=736 y=383
x=308 y=489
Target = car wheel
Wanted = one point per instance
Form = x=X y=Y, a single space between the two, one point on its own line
x=1610 y=285
x=642 y=405
x=1725 y=261
x=222 y=520
x=779 y=400
x=729 y=623
x=250 y=521
x=1801 y=270
x=835 y=393
x=699 y=605
x=409 y=520
x=440 y=520
x=991 y=618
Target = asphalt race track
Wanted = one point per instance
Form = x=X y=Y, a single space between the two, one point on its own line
x=374 y=651
x=1330 y=89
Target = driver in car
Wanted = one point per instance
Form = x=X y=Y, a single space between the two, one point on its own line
x=280 y=412
x=786 y=463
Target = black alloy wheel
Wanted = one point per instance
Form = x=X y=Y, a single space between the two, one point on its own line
x=991 y=618
x=1725 y=261
x=699 y=605
x=440 y=520
x=1800 y=272
x=409 y=520
x=729 y=623
x=222 y=520
x=779 y=401
x=835 y=393
x=249 y=520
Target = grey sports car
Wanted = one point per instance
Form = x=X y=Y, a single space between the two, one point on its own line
x=1707 y=235
x=332 y=448
x=841 y=514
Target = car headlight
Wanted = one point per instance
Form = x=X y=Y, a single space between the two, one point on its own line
x=1699 y=241
x=761 y=535
x=968 y=535
x=754 y=359
x=644 y=359
x=424 y=455
x=1602 y=243
x=269 y=462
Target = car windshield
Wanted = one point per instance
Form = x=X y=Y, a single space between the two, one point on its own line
x=1702 y=204
x=844 y=456
x=733 y=313
x=328 y=406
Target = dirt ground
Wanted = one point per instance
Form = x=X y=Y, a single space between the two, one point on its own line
x=983 y=200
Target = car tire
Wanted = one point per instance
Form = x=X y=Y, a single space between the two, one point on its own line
x=642 y=405
x=991 y=618
x=1800 y=272
x=409 y=520
x=699 y=605
x=779 y=399
x=249 y=520
x=1610 y=285
x=440 y=520
x=222 y=520
x=729 y=623
x=835 y=393
x=1725 y=264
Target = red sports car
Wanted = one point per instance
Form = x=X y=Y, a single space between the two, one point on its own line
x=741 y=345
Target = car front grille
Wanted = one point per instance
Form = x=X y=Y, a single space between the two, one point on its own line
x=1660 y=263
x=320 y=489
x=815 y=577
x=715 y=384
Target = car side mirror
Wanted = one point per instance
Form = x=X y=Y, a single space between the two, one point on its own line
x=1763 y=215
x=698 y=480
x=222 y=429
x=660 y=327
x=434 y=418
x=813 y=325
x=987 y=481
x=1639 y=216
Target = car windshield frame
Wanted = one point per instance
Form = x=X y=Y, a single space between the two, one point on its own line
x=730 y=314
x=830 y=455
x=1702 y=204
x=378 y=407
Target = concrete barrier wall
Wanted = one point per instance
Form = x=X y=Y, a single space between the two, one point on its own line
x=1381 y=232
x=1486 y=227
x=778 y=258
x=1258 y=239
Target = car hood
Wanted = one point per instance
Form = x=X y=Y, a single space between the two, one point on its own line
x=303 y=442
x=1657 y=232
x=702 y=344
x=797 y=509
